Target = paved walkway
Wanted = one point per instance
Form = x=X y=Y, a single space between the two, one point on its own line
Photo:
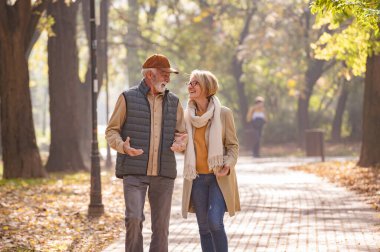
x=282 y=210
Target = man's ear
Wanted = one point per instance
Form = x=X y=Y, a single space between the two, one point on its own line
x=150 y=74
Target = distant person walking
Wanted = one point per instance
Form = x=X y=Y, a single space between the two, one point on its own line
x=210 y=186
x=256 y=117
x=147 y=119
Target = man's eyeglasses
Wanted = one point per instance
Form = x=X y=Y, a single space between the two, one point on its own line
x=192 y=83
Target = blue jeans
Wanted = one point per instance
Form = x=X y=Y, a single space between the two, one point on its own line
x=209 y=207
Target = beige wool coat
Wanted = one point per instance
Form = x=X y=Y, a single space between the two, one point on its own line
x=228 y=184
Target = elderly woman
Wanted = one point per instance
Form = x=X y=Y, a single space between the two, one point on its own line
x=210 y=186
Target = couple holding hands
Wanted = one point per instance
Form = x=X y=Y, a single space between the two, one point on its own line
x=147 y=126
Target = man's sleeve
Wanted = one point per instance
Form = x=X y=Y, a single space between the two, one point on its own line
x=115 y=124
x=180 y=126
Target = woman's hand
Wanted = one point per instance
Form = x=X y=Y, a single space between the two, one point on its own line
x=223 y=171
x=180 y=142
x=131 y=151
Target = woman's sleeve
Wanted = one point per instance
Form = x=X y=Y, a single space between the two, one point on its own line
x=231 y=141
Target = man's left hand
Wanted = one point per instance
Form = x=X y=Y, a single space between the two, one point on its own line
x=179 y=144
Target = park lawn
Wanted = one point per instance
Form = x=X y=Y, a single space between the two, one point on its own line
x=365 y=181
x=51 y=214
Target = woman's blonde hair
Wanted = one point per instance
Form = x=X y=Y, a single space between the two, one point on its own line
x=207 y=81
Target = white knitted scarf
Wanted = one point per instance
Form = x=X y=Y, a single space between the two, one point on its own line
x=215 y=144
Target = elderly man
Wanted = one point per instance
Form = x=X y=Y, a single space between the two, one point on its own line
x=146 y=128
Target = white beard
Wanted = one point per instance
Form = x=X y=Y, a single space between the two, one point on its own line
x=160 y=87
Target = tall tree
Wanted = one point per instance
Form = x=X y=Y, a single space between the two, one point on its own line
x=339 y=111
x=18 y=23
x=355 y=109
x=68 y=87
x=64 y=85
x=1 y=146
x=315 y=69
x=313 y=73
x=369 y=154
x=131 y=42
x=237 y=69
x=365 y=24
x=84 y=104
x=103 y=63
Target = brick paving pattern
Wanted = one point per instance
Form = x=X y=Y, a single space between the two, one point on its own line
x=282 y=210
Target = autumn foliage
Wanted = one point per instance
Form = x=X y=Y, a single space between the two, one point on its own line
x=51 y=214
x=364 y=180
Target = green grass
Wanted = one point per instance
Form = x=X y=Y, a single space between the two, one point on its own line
x=18 y=249
x=19 y=182
x=67 y=178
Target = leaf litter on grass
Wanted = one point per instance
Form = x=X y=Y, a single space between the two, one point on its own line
x=51 y=214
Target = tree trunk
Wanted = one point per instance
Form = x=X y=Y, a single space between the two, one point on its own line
x=313 y=72
x=370 y=150
x=103 y=63
x=1 y=145
x=243 y=103
x=84 y=104
x=340 y=108
x=45 y=112
x=133 y=62
x=237 y=72
x=20 y=153
x=102 y=58
x=64 y=84
x=355 y=109
x=21 y=157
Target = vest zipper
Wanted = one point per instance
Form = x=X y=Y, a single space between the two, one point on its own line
x=162 y=135
x=150 y=131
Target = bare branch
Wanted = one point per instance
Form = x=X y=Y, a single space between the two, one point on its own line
x=245 y=31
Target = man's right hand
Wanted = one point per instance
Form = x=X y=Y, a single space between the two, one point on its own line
x=131 y=151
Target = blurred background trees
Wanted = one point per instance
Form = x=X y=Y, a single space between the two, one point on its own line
x=357 y=43
x=311 y=69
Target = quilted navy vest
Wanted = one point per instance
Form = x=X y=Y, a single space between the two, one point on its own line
x=138 y=127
